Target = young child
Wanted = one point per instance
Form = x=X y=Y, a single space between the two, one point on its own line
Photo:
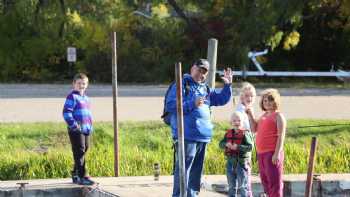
x=246 y=100
x=77 y=114
x=238 y=147
x=270 y=133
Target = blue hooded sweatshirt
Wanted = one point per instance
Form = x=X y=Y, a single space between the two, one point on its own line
x=197 y=121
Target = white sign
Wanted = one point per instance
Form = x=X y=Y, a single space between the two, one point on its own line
x=71 y=54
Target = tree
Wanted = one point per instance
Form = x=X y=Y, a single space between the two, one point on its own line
x=240 y=25
x=324 y=38
x=35 y=34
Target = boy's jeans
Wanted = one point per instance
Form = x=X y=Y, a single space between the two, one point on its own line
x=238 y=178
x=194 y=158
x=80 y=144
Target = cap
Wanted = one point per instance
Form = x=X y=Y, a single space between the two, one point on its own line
x=202 y=63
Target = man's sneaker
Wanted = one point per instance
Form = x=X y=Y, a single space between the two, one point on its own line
x=85 y=181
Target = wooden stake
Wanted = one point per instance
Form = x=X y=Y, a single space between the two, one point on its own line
x=115 y=103
x=180 y=131
x=310 y=171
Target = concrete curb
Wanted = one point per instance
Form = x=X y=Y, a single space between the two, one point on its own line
x=294 y=185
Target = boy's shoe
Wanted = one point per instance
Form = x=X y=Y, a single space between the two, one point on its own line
x=85 y=181
x=75 y=177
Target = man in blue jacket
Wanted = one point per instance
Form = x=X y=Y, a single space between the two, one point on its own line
x=197 y=100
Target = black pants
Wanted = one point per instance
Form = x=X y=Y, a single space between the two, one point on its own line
x=80 y=144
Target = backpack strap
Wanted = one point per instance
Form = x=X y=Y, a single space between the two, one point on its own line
x=187 y=90
x=208 y=89
x=187 y=87
x=165 y=113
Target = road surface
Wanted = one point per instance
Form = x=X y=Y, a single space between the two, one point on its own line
x=44 y=103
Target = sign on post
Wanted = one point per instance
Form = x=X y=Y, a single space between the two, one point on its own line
x=71 y=54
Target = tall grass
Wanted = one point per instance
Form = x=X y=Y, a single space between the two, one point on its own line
x=42 y=150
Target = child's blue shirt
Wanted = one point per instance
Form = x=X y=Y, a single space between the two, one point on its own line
x=76 y=112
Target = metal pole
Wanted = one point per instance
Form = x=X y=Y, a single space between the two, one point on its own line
x=310 y=170
x=115 y=96
x=212 y=57
x=180 y=130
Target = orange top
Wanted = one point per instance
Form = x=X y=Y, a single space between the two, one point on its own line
x=267 y=133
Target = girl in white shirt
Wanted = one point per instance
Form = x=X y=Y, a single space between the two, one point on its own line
x=246 y=100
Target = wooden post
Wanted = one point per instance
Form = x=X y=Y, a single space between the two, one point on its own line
x=310 y=170
x=244 y=72
x=212 y=57
x=115 y=103
x=180 y=130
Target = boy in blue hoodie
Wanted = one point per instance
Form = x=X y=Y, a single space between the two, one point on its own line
x=197 y=100
x=77 y=115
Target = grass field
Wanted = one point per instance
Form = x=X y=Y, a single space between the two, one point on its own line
x=42 y=150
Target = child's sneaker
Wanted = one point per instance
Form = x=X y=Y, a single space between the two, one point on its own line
x=75 y=177
x=262 y=194
x=85 y=181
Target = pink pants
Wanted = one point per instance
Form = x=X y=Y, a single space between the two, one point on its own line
x=270 y=174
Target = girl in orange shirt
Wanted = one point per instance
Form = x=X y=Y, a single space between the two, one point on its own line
x=270 y=131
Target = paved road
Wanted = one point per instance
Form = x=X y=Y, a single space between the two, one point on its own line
x=60 y=90
x=34 y=103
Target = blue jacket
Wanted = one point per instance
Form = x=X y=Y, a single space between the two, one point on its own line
x=76 y=111
x=197 y=121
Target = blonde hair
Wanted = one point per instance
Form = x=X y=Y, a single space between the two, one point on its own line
x=246 y=86
x=272 y=95
x=236 y=114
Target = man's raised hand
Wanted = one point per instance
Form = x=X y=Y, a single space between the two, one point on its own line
x=227 y=78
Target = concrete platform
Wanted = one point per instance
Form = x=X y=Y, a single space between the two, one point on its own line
x=145 y=186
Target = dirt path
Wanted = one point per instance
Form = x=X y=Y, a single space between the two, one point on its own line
x=37 y=103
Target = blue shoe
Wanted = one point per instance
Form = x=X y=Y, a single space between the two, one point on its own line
x=75 y=177
x=85 y=181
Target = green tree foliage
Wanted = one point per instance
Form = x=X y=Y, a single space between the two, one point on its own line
x=35 y=33
x=148 y=49
x=324 y=38
x=241 y=26
x=154 y=34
